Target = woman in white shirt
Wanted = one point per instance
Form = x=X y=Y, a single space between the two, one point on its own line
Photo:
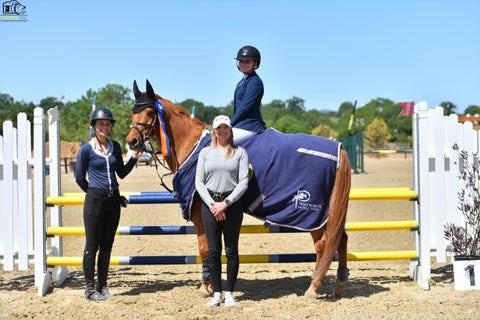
x=221 y=180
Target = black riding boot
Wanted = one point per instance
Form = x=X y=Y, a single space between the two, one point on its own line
x=102 y=273
x=89 y=273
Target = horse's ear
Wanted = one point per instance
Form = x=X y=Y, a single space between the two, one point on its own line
x=150 y=92
x=136 y=92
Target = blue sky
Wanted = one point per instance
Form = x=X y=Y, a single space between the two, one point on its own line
x=325 y=52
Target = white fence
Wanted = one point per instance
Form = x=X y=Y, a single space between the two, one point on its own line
x=23 y=193
x=22 y=196
x=438 y=140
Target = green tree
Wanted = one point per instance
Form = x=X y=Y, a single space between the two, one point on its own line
x=276 y=104
x=271 y=113
x=114 y=95
x=51 y=102
x=373 y=109
x=326 y=131
x=287 y=116
x=75 y=116
x=472 y=110
x=290 y=124
x=9 y=109
x=448 y=107
x=295 y=104
x=400 y=128
x=345 y=108
x=75 y=120
x=202 y=112
x=207 y=114
x=227 y=110
x=315 y=118
x=190 y=103
x=376 y=134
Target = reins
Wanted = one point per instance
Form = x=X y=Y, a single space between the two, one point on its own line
x=152 y=154
x=165 y=144
x=157 y=161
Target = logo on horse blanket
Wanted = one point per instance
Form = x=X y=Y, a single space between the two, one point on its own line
x=293 y=177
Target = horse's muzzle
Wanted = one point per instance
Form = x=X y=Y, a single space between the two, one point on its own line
x=135 y=144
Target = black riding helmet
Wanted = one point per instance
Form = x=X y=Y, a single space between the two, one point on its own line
x=249 y=53
x=101 y=113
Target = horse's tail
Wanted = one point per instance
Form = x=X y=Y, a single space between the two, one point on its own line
x=337 y=213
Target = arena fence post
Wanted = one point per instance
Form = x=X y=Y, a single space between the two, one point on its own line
x=59 y=273
x=42 y=277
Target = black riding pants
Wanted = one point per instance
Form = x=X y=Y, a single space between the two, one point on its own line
x=231 y=232
x=101 y=215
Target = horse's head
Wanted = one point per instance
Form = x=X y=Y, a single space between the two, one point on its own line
x=173 y=127
x=144 y=118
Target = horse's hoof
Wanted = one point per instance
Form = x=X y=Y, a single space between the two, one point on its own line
x=339 y=290
x=310 y=295
x=205 y=292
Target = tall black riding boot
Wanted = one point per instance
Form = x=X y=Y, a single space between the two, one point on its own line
x=103 y=264
x=89 y=272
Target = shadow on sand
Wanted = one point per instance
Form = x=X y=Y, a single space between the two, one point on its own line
x=251 y=289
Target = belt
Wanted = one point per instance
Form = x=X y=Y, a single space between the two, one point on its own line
x=104 y=193
x=219 y=195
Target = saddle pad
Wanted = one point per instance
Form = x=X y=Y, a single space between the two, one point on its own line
x=293 y=177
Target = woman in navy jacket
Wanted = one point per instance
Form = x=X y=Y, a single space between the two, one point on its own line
x=247 y=118
x=102 y=160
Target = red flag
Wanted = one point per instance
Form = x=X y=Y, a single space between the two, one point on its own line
x=407 y=108
x=61 y=98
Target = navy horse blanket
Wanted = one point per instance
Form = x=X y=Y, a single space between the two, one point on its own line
x=292 y=181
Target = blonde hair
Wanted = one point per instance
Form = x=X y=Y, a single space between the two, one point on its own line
x=230 y=149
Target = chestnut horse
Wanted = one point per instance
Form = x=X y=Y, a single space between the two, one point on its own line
x=184 y=132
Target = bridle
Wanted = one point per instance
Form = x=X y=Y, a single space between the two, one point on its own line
x=145 y=134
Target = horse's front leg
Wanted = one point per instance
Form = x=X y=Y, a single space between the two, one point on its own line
x=206 y=288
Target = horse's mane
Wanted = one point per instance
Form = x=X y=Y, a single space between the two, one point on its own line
x=178 y=110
